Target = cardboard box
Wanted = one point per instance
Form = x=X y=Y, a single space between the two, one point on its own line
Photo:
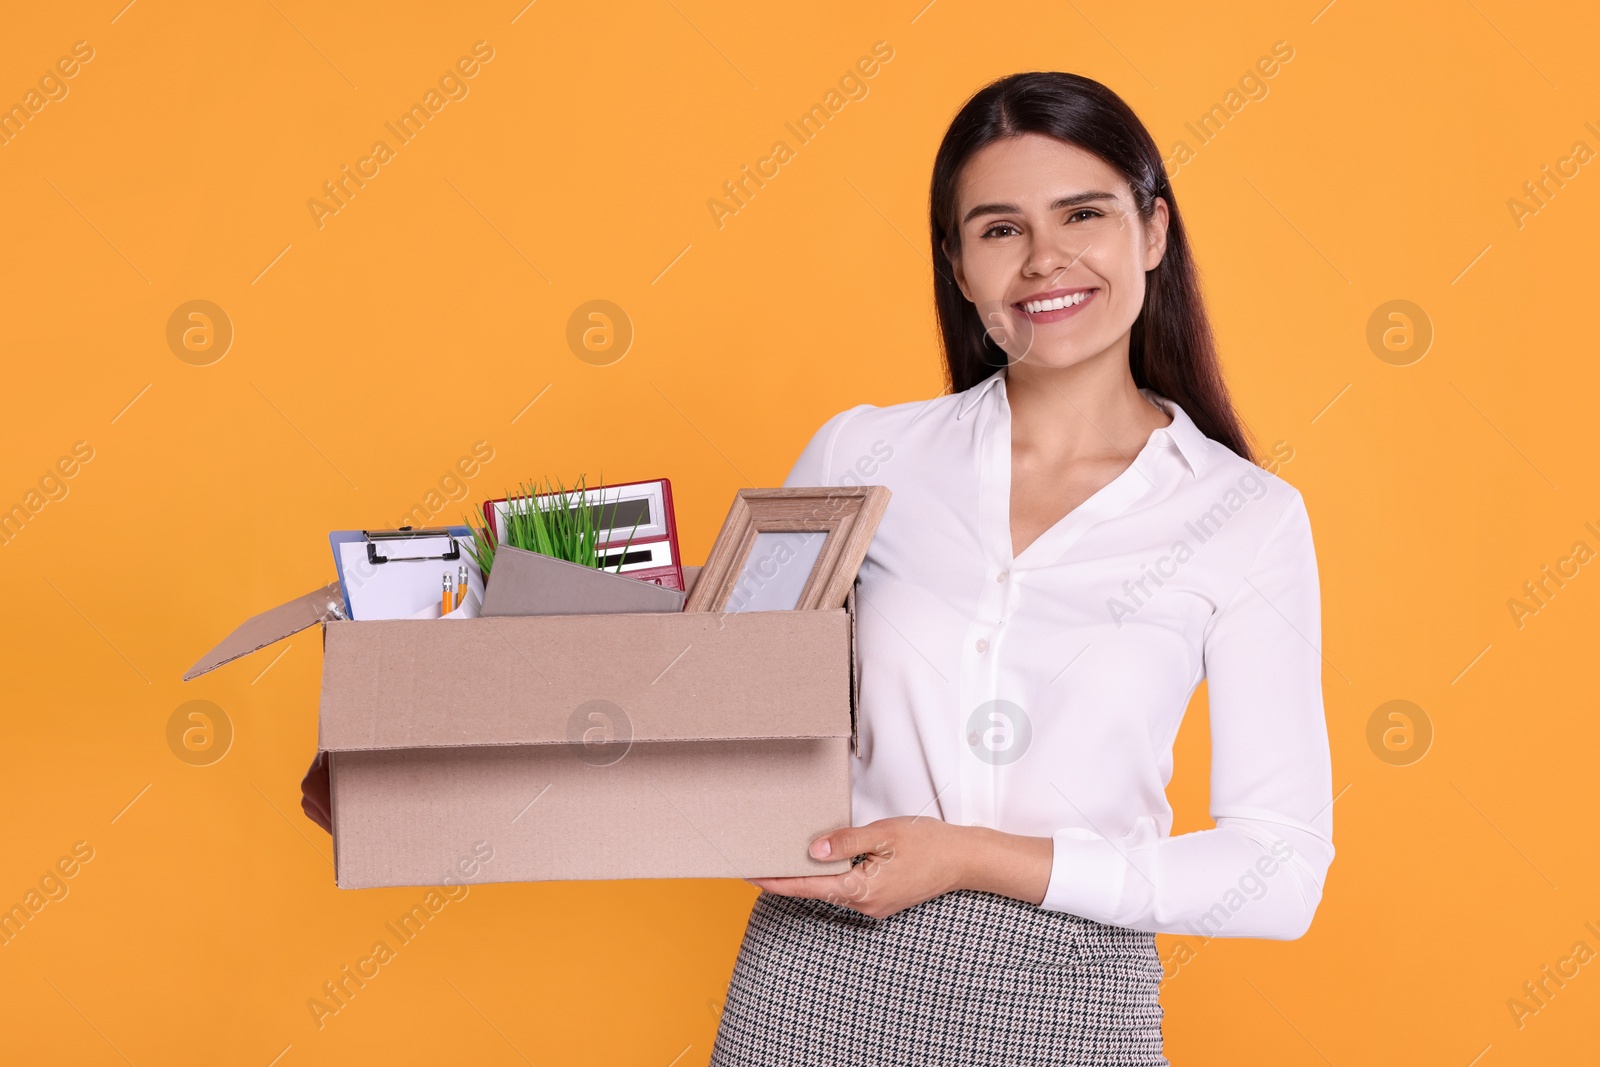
x=641 y=745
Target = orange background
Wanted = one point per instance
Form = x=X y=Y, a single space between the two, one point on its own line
x=428 y=313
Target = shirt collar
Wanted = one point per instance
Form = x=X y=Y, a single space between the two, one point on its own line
x=1189 y=439
x=969 y=399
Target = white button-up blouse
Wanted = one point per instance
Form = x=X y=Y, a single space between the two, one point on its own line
x=1040 y=694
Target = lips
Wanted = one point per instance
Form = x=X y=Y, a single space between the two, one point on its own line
x=1055 y=304
x=1051 y=294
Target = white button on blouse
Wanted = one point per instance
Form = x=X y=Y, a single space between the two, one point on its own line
x=1040 y=694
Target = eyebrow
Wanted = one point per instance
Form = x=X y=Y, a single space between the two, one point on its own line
x=1011 y=209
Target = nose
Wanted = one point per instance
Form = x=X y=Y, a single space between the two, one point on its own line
x=1051 y=252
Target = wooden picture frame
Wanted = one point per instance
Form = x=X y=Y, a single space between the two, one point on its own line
x=812 y=575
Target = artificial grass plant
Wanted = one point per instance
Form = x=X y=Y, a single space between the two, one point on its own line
x=554 y=521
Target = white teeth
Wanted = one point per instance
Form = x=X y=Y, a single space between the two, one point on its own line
x=1034 y=307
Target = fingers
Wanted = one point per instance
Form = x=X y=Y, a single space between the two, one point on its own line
x=831 y=845
x=316 y=814
x=844 y=843
x=314 y=795
x=817 y=886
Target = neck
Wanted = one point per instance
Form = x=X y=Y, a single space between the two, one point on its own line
x=1091 y=408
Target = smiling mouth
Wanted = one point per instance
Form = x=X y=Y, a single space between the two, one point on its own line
x=1055 y=303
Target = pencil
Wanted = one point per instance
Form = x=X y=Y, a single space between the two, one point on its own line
x=444 y=597
x=461 y=586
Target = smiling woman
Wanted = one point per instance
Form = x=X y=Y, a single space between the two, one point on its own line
x=1013 y=858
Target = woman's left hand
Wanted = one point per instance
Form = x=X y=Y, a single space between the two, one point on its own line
x=909 y=859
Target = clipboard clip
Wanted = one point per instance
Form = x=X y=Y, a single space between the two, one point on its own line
x=406 y=533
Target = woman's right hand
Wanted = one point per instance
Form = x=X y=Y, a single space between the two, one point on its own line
x=314 y=799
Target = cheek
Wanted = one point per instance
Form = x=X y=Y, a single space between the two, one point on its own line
x=990 y=268
x=1122 y=268
x=1132 y=290
x=1124 y=309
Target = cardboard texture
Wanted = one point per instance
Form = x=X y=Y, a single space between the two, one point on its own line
x=645 y=744
x=528 y=583
x=259 y=631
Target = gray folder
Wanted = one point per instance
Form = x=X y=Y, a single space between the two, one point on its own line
x=530 y=583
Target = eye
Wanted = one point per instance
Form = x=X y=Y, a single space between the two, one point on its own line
x=1091 y=212
x=999 y=226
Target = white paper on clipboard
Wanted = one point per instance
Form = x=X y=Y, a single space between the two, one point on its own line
x=470 y=607
x=405 y=588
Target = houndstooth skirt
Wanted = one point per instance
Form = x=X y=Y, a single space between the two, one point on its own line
x=966 y=979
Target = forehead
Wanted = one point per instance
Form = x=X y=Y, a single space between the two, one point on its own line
x=1032 y=170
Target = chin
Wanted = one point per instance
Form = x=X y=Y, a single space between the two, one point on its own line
x=1054 y=357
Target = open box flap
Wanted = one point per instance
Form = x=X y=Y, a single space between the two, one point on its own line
x=259 y=631
x=683 y=676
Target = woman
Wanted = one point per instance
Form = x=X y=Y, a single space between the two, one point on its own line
x=1078 y=535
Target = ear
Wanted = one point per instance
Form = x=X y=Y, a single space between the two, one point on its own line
x=955 y=268
x=1156 y=235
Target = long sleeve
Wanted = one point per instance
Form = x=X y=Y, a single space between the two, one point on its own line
x=814 y=467
x=1260 y=872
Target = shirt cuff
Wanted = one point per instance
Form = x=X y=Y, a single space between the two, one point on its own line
x=1087 y=875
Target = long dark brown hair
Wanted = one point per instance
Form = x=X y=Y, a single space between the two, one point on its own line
x=1171 y=347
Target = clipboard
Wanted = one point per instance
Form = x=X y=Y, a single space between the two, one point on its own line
x=395 y=574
